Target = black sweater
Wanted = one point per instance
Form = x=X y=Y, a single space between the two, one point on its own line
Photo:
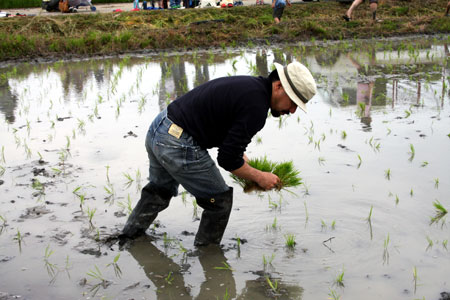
x=225 y=113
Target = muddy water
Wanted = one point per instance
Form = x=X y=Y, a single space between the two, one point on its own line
x=376 y=138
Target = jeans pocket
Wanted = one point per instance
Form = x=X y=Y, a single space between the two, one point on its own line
x=197 y=159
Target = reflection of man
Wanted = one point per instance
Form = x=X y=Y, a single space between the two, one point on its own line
x=162 y=271
x=224 y=113
x=167 y=275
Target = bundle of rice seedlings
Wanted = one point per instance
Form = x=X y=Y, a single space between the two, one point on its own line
x=284 y=170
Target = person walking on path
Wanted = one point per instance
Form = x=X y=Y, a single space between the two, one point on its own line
x=225 y=113
x=373 y=7
x=278 y=8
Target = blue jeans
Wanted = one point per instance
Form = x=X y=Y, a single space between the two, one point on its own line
x=175 y=161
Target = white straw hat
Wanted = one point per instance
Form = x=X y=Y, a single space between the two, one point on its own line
x=297 y=82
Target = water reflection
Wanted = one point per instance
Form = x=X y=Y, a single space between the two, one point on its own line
x=8 y=101
x=168 y=276
x=363 y=76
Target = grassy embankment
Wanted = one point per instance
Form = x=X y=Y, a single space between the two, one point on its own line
x=111 y=33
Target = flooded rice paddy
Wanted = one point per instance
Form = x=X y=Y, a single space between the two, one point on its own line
x=373 y=152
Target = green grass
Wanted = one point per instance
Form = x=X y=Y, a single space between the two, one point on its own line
x=249 y=26
x=289 y=177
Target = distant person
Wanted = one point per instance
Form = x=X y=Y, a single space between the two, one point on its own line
x=373 y=7
x=448 y=8
x=278 y=8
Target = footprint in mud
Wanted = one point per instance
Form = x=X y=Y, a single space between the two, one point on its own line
x=35 y=212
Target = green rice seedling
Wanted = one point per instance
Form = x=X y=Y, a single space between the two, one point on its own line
x=3 y=155
x=362 y=109
x=225 y=267
x=50 y=267
x=411 y=192
x=81 y=125
x=67 y=142
x=436 y=183
x=2 y=171
x=323 y=225
x=407 y=113
x=184 y=197
x=333 y=225
x=440 y=213
x=273 y=205
x=138 y=180
x=444 y=244
x=334 y=295
x=258 y=140
x=387 y=174
x=91 y=212
x=274 y=223
x=389 y=131
x=272 y=284
x=19 y=238
x=169 y=278
x=129 y=180
x=430 y=243
x=238 y=246
x=306 y=213
x=415 y=278
x=290 y=241
x=109 y=189
x=115 y=266
x=82 y=198
x=369 y=221
x=3 y=224
x=345 y=98
x=386 y=250
x=195 y=209
x=268 y=261
x=412 y=152
x=27 y=149
x=167 y=241
x=339 y=281
x=107 y=173
x=285 y=171
x=343 y=134
x=360 y=161
x=397 y=199
x=97 y=274
x=321 y=160
x=67 y=266
x=424 y=164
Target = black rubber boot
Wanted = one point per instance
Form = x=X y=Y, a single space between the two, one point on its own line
x=153 y=200
x=215 y=217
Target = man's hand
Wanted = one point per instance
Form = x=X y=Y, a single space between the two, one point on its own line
x=268 y=181
x=265 y=180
